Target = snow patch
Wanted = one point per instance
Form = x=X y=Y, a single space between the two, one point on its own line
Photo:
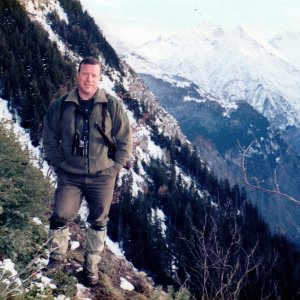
x=23 y=137
x=159 y=214
x=62 y=297
x=8 y=266
x=126 y=285
x=187 y=180
x=154 y=150
x=137 y=184
x=83 y=293
x=75 y=245
x=39 y=14
x=114 y=248
x=10 y=282
x=37 y=221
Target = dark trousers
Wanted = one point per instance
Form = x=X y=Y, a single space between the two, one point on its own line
x=97 y=191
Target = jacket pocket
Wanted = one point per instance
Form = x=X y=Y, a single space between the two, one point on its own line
x=111 y=171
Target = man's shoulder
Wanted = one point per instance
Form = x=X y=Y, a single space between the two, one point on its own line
x=57 y=101
x=56 y=106
x=113 y=103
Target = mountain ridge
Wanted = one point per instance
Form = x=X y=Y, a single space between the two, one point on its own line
x=287 y=43
x=219 y=133
x=234 y=67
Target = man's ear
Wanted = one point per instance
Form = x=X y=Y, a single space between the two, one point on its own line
x=101 y=78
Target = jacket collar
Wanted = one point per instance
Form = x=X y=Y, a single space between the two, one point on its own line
x=99 y=96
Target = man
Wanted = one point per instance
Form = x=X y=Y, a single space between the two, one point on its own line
x=79 y=155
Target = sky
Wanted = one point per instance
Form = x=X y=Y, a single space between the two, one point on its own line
x=138 y=21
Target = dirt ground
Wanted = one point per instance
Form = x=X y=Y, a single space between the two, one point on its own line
x=111 y=269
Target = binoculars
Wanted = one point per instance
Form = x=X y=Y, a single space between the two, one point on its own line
x=79 y=146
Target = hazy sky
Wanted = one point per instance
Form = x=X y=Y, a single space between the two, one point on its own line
x=137 y=21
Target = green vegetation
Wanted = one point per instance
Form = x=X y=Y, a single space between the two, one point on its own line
x=66 y=284
x=23 y=194
x=31 y=68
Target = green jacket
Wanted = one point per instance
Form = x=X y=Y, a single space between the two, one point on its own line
x=59 y=132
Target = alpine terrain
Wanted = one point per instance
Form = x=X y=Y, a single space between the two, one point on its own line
x=215 y=84
x=184 y=231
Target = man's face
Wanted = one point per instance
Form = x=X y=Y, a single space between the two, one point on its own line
x=88 y=79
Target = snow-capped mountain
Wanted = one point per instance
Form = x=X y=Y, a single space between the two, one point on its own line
x=232 y=66
x=288 y=45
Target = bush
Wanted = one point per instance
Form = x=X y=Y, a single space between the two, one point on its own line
x=66 y=285
x=23 y=195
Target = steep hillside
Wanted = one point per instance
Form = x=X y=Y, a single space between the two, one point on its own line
x=218 y=131
x=173 y=218
x=25 y=199
x=288 y=44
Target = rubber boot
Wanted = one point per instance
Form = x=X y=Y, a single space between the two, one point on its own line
x=58 y=246
x=95 y=246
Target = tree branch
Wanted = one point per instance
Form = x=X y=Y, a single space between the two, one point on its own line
x=257 y=186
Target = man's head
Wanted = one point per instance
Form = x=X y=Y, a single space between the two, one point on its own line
x=88 y=77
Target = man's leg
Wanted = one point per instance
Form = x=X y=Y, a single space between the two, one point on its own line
x=98 y=194
x=95 y=246
x=58 y=245
x=67 y=201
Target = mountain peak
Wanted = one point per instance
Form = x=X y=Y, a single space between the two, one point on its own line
x=240 y=33
x=208 y=29
x=232 y=65
x=239 y=30
x=203 y=31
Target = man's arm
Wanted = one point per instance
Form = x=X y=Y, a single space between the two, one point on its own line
x=52 y=135
x=121 y=130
